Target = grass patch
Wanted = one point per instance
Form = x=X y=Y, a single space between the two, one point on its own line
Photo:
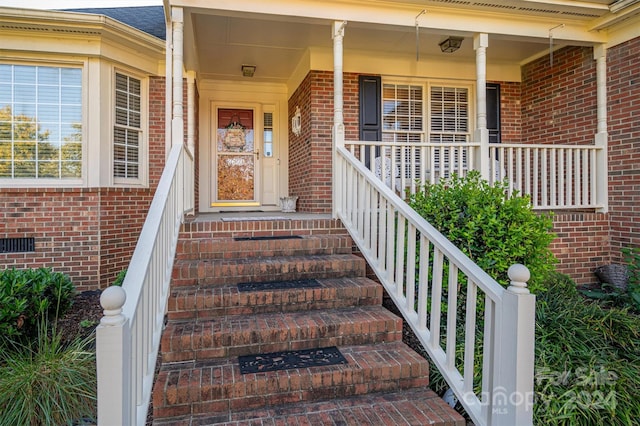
x=587 y=360
x=47 y=381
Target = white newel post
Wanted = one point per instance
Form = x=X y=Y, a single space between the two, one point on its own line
x=177 y=120
x=481 y=134
x=602 y=136
x=511 y=401
x=113 y=361
x=188 y=161
x=338 y=117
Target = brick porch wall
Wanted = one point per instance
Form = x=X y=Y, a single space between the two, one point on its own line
x=623 y=90
x=559 y=102
x=558 y=106
x=510 y=112
x=310 y=166
x=582 y=244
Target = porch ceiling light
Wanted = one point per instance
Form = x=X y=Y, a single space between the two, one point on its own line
x=248 y=70
x=451 y=44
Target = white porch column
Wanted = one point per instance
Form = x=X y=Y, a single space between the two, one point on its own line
x=338 y=106
x=191 y=111
x=481 y=134
x=602 y=135
x=177 y=119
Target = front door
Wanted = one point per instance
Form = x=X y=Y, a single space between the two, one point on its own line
x=236 y=159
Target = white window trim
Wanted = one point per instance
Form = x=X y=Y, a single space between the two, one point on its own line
x=142 y=180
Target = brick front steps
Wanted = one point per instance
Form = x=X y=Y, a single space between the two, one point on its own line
x=211 y=323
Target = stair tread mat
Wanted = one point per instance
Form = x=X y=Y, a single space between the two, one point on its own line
x=279 y=285
x=253 y=219
x=286 y=360
x=269 y=237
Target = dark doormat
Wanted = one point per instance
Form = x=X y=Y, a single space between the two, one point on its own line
x=272 y=237
x=278 y=285
x=290 y=359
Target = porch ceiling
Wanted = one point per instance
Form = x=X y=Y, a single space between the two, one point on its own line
x=220 y=41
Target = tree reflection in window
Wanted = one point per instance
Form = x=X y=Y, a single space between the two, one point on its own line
x=235 y=178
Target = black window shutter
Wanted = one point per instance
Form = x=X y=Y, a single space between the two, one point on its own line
x=370 y=88
x=370 y=108
x=493 y=112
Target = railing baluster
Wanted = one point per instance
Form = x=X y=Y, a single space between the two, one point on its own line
x=411 y=267
x=423 y=282
x=545 y=183
x=554 y=179
x=452 y=312
x=561 y=173
x=382 y=242
x=436 y=297
x=400 y=262
x=470 y=336
x=390 y=233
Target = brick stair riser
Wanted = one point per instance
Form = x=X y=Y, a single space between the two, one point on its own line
x=261 y=228
x=279 y=332
x=191 y=273
x=215 y=302
x=418 y=406
x=211 y=248
x=220 y=388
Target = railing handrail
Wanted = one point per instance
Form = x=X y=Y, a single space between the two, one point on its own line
x=472 y=143
x=128 y=337
x=377 y=220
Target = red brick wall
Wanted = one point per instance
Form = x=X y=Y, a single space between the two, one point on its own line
x=559 y=101
x=300 y=181
x=623 y=92
x=65 y=225
x=582 y=244
x=510 y=112
x=310 y=166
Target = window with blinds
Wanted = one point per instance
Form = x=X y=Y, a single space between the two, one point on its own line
x=404 y=114
x=449 y=114
x=402 y=122
x=41 y=134
x=127 y=131
x=449 y=123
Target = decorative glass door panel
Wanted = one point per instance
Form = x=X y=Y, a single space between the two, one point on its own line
x=236 y=156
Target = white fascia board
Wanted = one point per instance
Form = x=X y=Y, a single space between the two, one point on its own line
x=623 y=33
x=444 y=19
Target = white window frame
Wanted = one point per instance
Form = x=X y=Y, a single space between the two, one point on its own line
x=143 y=150
x=56 y=182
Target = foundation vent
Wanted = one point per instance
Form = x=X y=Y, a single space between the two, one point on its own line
x=17 y=245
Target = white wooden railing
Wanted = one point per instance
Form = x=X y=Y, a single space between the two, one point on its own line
x=128 y=337
x=554 y=176
x=424 y=273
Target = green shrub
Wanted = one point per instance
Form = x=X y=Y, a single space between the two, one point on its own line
x=47 y=381
x=28 y=295
x=494 y=230
x=120 y=278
